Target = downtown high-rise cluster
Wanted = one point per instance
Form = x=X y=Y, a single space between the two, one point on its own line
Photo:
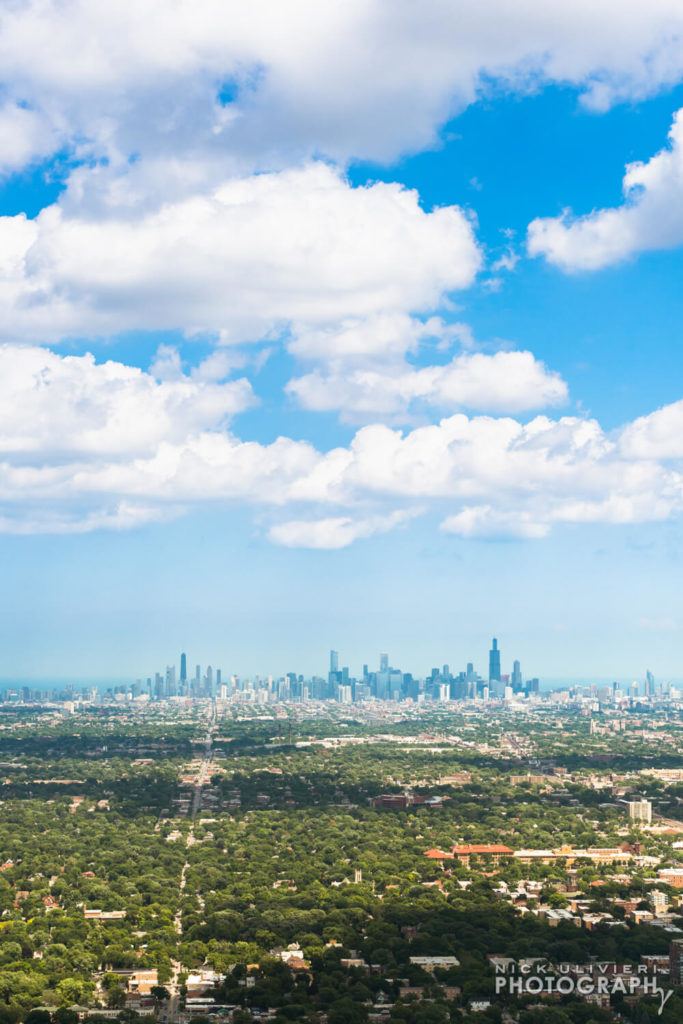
x=440 y=683
x=385 y=682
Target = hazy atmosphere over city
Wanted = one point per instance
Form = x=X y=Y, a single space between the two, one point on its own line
x=341 y=325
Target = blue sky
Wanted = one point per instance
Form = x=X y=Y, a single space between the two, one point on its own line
x=427 y=283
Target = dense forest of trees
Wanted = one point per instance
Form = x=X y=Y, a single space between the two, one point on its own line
x=286 y=849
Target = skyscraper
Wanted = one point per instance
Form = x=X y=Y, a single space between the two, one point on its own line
x=183 y=668
x=516 y=680
x=649 y=684
x=384 y=662
x=494 y=662
x=334 y=675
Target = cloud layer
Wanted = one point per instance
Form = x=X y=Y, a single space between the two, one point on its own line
x=261 y=84
x=86 y=445
x=204 y=147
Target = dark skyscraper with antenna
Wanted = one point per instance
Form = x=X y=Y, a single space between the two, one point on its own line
x=494 y=662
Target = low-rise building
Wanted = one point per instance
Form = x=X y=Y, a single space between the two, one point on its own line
x=672 y=876
x=492 y=851
x=430 y=963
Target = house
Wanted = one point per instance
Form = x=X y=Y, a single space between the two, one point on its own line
x=142 y=982
x=293 y=956
x=435 y=854
x=199 y=983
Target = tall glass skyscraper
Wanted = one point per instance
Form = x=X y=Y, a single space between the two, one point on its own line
x=494 y=662
x=517 y=680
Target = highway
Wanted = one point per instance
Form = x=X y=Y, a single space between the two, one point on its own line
x=169 y=1013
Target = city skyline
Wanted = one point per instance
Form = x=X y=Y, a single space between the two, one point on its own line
x=379 y=682
x=205 y=679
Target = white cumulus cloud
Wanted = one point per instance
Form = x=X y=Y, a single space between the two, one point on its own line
x=24 y=136
x=485 y=521
x=659 y=435
x=357 y=79
x=53 y=406
x=334 y=532
x=255 y=254
x=510 y=382
x=651 y=216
